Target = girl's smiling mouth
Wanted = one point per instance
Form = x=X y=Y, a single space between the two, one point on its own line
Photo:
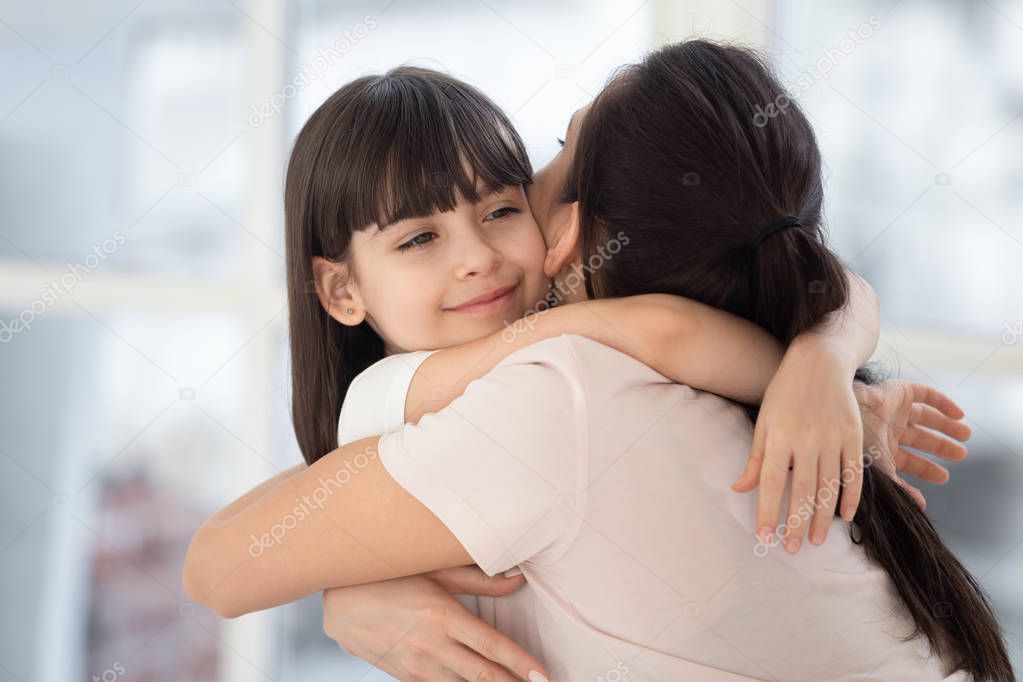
x=486 y=303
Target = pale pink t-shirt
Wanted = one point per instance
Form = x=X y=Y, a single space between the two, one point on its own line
x=609 y=486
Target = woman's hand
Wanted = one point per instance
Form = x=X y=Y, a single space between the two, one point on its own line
x=809 y=419
x=901 y=414
x=413 y=628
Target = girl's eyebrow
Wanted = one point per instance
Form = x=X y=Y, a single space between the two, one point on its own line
x=482 y=190
x=485 y=192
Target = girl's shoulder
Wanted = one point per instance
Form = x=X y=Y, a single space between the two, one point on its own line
x=375 y=402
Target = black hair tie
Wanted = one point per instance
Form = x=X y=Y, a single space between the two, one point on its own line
x=777 y=226
x=765 y=232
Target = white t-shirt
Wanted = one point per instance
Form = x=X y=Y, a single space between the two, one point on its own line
x=609 y=486
x=375 y=405
x=375 y=402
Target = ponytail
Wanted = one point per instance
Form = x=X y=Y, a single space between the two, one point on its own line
x=945 y=601
x=794 y=277
x=798 y=282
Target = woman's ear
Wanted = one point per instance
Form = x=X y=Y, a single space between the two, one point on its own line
x=337 y=291
x=564 y=247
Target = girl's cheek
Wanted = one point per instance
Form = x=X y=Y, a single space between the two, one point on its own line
x=527 y=240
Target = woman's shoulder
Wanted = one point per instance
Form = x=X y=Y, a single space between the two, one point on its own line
x=565 y=349
x=595 y=360
x=597 y=371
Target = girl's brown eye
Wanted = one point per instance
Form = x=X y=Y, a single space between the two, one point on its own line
x=504 y=212
x=415 y=243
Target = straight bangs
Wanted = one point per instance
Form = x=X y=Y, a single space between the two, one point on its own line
x=412 y=143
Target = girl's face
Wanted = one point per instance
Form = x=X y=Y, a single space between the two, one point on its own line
x=416 y=281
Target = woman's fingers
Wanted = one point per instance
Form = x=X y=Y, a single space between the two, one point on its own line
x=472 y=580
x=490 y=650
x=932 y=396
x=932 y=418
x=920 y=467
x=465 y=664
x=929 y=441
x=914 y=492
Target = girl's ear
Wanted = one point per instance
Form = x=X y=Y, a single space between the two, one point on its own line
x=564 y=247
x=337 y=291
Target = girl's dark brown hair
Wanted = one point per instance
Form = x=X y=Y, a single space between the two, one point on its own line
x=381 y=149
x=676 y=154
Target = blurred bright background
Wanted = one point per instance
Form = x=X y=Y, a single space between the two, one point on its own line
x=142 y=148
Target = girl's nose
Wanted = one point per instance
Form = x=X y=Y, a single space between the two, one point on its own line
x=475 y=257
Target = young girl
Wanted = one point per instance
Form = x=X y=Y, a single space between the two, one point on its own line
x=433 y=161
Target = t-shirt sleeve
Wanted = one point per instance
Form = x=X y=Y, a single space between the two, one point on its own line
x=375 y=402
x=502 y=466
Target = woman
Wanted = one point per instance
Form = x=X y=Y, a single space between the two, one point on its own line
x=620 y=590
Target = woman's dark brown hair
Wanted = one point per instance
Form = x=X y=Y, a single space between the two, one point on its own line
x=674 y=154
x=381 y=149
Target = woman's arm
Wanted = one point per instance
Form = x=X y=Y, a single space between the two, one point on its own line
x=344 y=520
x=686 y=341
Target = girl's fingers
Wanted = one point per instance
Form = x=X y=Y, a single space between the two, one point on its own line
x=773 y=475
x=801 y=501
x=920 y=467
x=828 y=483
x=852 y=483
x=925 y=415
x=929 y=441
x=500 y=652
x=751 y=475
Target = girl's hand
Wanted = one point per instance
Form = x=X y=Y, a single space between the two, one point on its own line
x=413 y=628
x=901 y=414
x=809 y=419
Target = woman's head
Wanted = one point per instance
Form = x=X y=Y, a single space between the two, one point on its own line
x=671 y=154
x=404 y=200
